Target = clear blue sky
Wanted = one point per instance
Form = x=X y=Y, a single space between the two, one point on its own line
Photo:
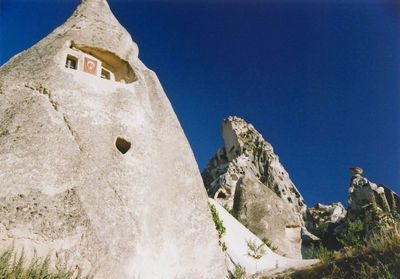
x=319 y=79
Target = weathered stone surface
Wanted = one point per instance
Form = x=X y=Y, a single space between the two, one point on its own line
x=236 y=239
x=328 y=222
x=267 y=215
x=246 y=176
x=99 y=171
x=376 y=205
x=333 y=215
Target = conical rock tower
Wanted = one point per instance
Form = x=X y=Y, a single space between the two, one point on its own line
x=95 y=169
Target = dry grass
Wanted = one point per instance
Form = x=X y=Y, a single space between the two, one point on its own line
x=15 y=267
x=379 y=258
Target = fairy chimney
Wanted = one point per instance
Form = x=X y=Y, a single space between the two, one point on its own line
x=95 y=169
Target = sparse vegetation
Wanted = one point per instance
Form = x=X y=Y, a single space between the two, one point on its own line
x=269 y=244
x=239 y=272
x=323 y=253
x=226 y=207
x=310 y=252
x=376 y=258
x=15 y=267
x=321 y=230
x=255 y=251
x=320 y=252
x=219 y=226
x=231 y=210
x=354 y=237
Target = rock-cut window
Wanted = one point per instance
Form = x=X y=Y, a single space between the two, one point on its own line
x=71 y=62
x=105 y=74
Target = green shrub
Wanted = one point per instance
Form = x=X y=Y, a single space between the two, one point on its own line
x=354 y=235
x=310 y=251
x=219 y=226
x=269 y=244
x=321 y=230
x=323 y=253
x=240 y=272
x=255 y=251
x=320 y=252
x=377 y=223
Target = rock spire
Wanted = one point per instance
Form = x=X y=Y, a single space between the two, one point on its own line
x=247 y=178
x=95 y=169
x=376 y=205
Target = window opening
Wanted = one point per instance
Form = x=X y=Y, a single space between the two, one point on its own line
x=122 y=145
x=105 y=74
x=71 y=62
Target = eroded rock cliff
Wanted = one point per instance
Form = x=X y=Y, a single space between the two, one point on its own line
x=247 y=178
x=94 y=166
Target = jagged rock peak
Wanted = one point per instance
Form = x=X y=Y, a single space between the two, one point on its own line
x=240 y=137
x=372 y=203
x=247 y=178
x=95 y=169
x=246 y=151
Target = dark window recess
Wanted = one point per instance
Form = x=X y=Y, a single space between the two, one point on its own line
x=122 y=145
x=221 y=195
x=71 y=63
x=105 y=74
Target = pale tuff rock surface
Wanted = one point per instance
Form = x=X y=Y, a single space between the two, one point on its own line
x=333 y=215
x=236 y=238
x=375 y=205
x=247 y=178
x=98 y=171
x=328 y=222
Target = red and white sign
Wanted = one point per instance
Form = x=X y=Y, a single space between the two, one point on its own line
x=90 y=66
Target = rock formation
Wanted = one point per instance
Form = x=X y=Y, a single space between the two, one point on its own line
x=332 y=213
x=94 y=166
x=376 y=205
x=247 y=178
x=328 y=222
x=236 y=239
